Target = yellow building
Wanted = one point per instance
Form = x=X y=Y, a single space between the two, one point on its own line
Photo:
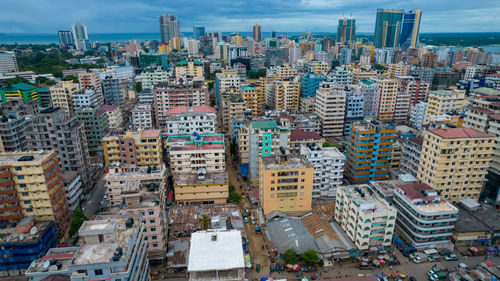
x=283 y=95
x=254 y=97
x=175 y=43
x=191 y=68
x=443 y=101
x=387 y=99
x=317 y=66
x=209 y=188
x=140 y=148
x=35 y=186
x=454 y=161
x=237 y=39
x=233 y=107
x=398 y=69
x=285 y=184
x=61 y=95
x=163 y=49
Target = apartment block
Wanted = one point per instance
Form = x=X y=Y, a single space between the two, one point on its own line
x=319 y=67
x=299 y=136
x=22 y=91
x=454 y=161
x=114 y=114
x=387 y=99
x=398 y=69
x=283 y=95
x=371 y=92
x=234 y=107
x=367 y=219
x=133 y=191
x=141 y=117
x=417 y=114
x=91 y=80
x=198 y=166
x=254 y=97
x=425 y=220
x=96 y=126
x=410 y=157
x=369 y=151
x=182 y=120
x=12 y=132
x=112 y=90
x=281 y=72
x=402 y=108
x=52 y=129
x=330 y=108
x=141 y=148
x=110 y=247
x=224 y=82
x=309 y=83
x=61 y=95
x=285 y=184
x=86 y=98
x=265 y=138
x=443 y=101
x=328 y=164
x=154 y=75
x=73 y=186
x=360 y=74
x=35 y=185
x=417 y=89
x=181 y=92
x=192 y=68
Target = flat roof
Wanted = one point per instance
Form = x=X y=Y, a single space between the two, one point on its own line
x=184 y=109
x=300 y=135
x=10 y=157
x=222 y=253
x=210 y=178
x=264 y=125
x=150 y=133
x=425 y=199
x=460 y=133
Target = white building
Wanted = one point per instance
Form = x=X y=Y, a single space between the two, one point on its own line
x=330 y=108
x=216 y=255
x=345 y=56
x=341 y=76
x=114 y=114
x=182 y=120
x=125 y=72
x=193 y=46
x=73 y=187
x=417 y=115
x=367 y=219
x=385 y=56
x=328 y=163
x=87 y=98
x=8 y=62
x=141 y=117
x=151 y=76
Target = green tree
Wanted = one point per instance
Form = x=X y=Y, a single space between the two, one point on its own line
x=234 y=197
x=77 y=219
x=310 y=257
x=138 y=86
x=327 y=144
x=380 y=67
x=72 y=77
x=234 y=147
x=290 y=256
x=256 y=74
x=205 y=222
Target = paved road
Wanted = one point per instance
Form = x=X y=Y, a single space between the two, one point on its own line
x=92 y=206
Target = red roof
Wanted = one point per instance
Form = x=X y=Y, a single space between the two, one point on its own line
x=286 y=116
x=460 y=133
x=183 y=109
x=57 y=257
x=414 y=190
x=495 y=116
x=299 y=134
x=150 y=133
x=417 y=140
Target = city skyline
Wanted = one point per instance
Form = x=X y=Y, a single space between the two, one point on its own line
x=303 y=15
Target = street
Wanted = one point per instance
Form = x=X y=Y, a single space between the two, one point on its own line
x=91 y=207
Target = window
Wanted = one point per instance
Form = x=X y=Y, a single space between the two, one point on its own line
x=98 y=272
x=20 y=177
x=151 y=212
x=151 y=221
x=154 y=237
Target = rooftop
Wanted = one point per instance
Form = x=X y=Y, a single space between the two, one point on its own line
x=150 y=133
x=68 y=176
x=185 y=109
x=24 y=157
x=216 y=250
x=367 y=200
x=424 y=198
x=485 y=217
x=418 y=140
x=195 y=142
x=459 y=133
x=301 y=135
x=63 y=258
x=264 y=125
x=290 y=233
x=272 y=163
x=12 y=234
x=117 y=235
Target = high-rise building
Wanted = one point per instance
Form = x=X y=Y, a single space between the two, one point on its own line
x=12 y=132
x=192 y=68
x=285 y=183
x=93 y=80
x=367 y=219
x=112 y=90
x=169 y=27
x=8 y=62
x=257 y=34
x=96 y=126
x=283 y=95
x=410 y=157
x=309 y=84
x=140 y=148
x=443 y=101
x=37 y=179
x=410 y=29
x=80 y=36
x=387 y=102
x=369 y=151
x=66 y=40
x=419 y=208
x=330 y=108
x=61 y=95
x=155 y=59
x=388 y=28
x=346 y=30
x=52 y=129
x=454 y=161
x=198 y=32
x=185 y=120
x=345 y=56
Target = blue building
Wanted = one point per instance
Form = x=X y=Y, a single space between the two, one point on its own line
x=25 y=243
x=354 y=111
x=410 y=29
x=198 y=31
x=309 y=83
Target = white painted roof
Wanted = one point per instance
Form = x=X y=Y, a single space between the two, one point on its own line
x=225 y=252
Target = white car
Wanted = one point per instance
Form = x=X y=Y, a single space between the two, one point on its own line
x=417 y=260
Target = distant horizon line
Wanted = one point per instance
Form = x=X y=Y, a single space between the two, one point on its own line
x=366 y=33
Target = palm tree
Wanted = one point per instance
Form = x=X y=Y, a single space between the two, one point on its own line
x=205 y=222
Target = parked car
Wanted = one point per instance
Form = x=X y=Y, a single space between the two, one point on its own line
x=413 y=255
x=417 y=260
x=365 y=266
x=451 y=257
x=433 y=258
x=246 y=219
x=252 y=219
x=445 y=252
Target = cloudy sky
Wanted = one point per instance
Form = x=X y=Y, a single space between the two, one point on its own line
x=124 y=16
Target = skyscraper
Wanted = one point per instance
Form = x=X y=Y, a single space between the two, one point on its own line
x=346 y=30
x=388 y=28
x=257 y=35
x=80 y=36
x=66 y=39
x=198 y=31
x=169 y=27
x=410 y=29
x=8 y=62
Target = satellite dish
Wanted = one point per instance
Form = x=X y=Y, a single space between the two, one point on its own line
x=46 y=264
x=33 y=230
